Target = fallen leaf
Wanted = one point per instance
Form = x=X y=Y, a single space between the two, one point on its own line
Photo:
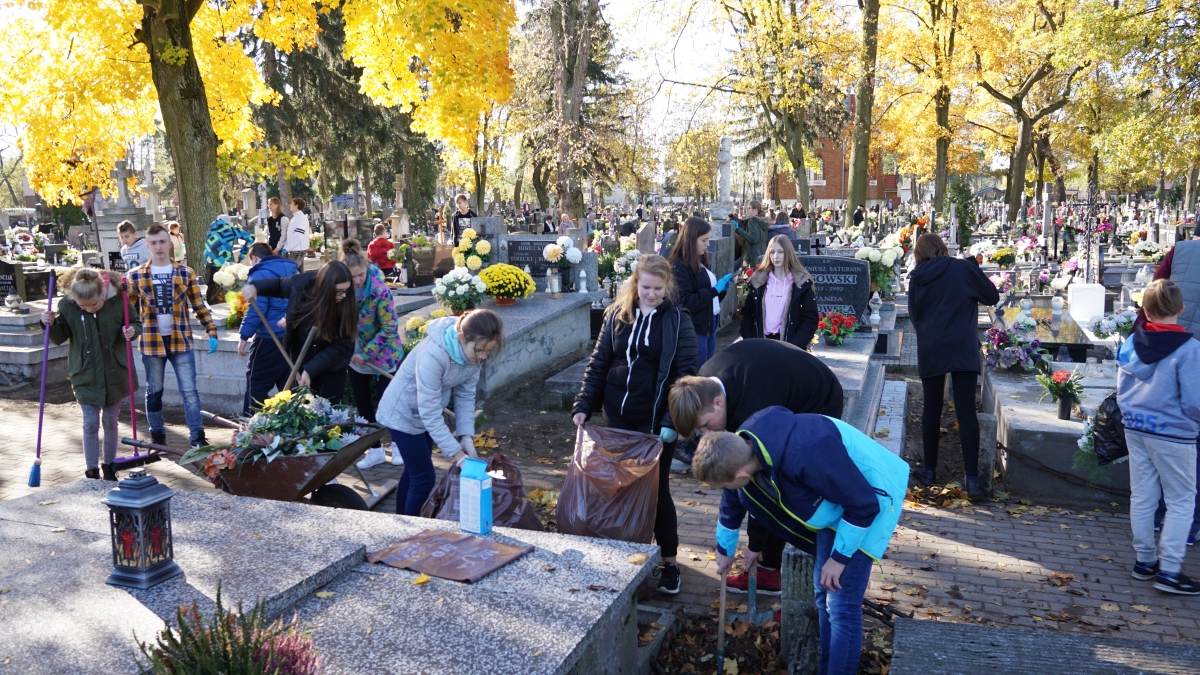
x=1104 y=558
x=712 y=555
x=324 y=594
x=1064 y=526
x=737 y=629
x=955 y=592
x=600 y=587
x=637 y=558
x=731 y=666
x=888 y=587
x=5 y=590
x=1084 y=546
x=1110 y=607
x=1060 y=578
x=1141 y=621
x=421 y=579
x=1141 y=608
x=549 y=568
x=882 y=433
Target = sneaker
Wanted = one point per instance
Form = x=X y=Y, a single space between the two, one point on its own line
x=158 y=437
x=94 y=474
x=109 y=472
x=373 y=457
x=668 y=581
x=1179 y=584
x=397 y=458
x=1144 y=571
x=680 y=467
x=768 y=582
x=199 y=441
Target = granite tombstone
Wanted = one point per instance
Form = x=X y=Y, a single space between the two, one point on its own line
x=840 y=284
x=12 y=279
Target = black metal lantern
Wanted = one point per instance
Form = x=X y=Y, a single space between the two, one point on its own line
x=139 y=517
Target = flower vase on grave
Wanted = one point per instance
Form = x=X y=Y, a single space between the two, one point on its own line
x=567 y=281
x=1065 y=407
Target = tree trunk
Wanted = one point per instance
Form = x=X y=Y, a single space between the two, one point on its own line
x=941 y=170
x=186 y=121
x=1189 y=189
x=1056 y=170
x=864 y=101
x=1039 y=162
x=1016 y=169
x=541 y=183
x=366 y=188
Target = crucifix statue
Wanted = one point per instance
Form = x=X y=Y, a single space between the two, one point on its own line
x=121 y=175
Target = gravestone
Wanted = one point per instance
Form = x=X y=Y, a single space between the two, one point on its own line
x=526 y=251
x=112 y=214
x=12 y=279
x=645 y=238
x=840 y=284
x=115 y=262
x=54 y=253
x=37 y=284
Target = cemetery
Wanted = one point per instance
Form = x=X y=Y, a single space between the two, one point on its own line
x=482 y=356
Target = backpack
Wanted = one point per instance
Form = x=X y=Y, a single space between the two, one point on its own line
x=1109 y=432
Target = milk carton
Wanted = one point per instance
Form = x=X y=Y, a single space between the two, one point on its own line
x=475 y=497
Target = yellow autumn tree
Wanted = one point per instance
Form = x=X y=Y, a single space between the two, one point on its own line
x=87 y=78
x=692 y=162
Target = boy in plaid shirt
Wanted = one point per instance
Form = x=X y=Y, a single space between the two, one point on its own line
x=160 y=292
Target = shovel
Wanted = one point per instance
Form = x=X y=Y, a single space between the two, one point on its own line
x=721 y=633
x=752 y=615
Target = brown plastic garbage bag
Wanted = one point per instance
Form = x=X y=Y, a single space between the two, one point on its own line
x=611 y=490
x=510 y=506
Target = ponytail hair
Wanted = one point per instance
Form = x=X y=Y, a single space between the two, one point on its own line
x=352 y=254
x=481 y=325
x=86 y=285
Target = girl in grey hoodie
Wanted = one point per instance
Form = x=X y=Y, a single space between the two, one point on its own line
x=445 y=366
x=1158 y=389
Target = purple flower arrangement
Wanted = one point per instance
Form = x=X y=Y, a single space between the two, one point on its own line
x=1010 y=350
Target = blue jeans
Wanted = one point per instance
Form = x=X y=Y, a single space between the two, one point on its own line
x=706 y=345
x=184 y=365
x=417 y=480
x=840 y=612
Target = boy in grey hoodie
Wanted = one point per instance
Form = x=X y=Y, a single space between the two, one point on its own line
x=1158 y=389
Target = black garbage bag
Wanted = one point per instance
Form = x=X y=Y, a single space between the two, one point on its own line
x=1108 y=432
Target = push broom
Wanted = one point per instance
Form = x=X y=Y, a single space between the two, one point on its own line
x=137 y=459
x=35 y=473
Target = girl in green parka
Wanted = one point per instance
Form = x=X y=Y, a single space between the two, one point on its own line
x=90 y=316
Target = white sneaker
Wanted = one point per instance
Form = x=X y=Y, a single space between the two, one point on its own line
x=373 y=457
x=397 y=460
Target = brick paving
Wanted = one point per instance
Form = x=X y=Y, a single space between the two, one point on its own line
x=992 y=564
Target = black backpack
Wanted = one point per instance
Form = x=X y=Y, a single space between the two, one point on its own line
x=1108 y=440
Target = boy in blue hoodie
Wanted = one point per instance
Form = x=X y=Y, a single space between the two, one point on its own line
x=267 y=367
x=1158 y=389
x=801 y=472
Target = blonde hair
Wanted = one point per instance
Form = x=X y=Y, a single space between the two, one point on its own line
x=790 y=261
x=85 y=284
x=690 y=397
x=719 y=456
x=1162 y=299
x=352 y=254
x=627 y=298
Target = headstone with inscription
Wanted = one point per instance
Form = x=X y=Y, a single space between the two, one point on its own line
x=645 y=238
x=54 y=253
x=526 y=251
x=12 y=279
x=840 y=284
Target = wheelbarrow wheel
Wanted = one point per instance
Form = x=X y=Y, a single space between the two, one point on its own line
x=338 y=497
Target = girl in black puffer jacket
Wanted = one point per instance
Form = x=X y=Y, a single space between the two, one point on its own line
x=698 y=290
x=782 y=303
x=645 y=345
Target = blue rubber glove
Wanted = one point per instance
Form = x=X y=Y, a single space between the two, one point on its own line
x=667 y=435
x=212 y=345
x=727 y=540
x=723 y=283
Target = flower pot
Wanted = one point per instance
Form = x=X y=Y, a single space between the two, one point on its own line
x=831 y=341
x=506 y=302
x=1065 y=407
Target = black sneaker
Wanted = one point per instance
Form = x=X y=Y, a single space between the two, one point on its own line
x=668 y=582
x=158 y=437
x=1144 y=571
x=1179 y=584
x=94 y=474
x=199 y=442
x=109 y=472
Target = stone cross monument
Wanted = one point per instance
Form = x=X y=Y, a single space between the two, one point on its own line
x=399 y=217
x=121 y=175
x=724 y=206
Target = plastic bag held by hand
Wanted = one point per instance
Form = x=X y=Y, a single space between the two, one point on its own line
x=611 y=490
x=510 y=506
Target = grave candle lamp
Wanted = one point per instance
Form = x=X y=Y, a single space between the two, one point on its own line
x=139 y=518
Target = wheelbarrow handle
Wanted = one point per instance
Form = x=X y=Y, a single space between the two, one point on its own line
x=147 y=445
x=217 y=419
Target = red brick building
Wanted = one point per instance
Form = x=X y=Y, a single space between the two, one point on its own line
x=829 y=178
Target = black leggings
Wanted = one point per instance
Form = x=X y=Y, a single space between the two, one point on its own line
x=666 y=521
x=765 y=542
x=367 y=390
x=934 y=389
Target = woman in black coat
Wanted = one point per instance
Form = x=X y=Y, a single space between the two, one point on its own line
x=323 y=300
x=943 y=301
x=781 y=304
x=697 y=289
x=646 y=343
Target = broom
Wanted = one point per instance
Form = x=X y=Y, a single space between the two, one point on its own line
x=35 y=473
x=122 y=463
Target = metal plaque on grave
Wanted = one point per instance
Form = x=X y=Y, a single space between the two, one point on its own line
x=524 y=251
x=115 y=262
x=37 y=284
x=840 y=284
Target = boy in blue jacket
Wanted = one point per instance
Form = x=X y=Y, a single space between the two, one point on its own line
x=1158 y=389
x=267 y=367
x=801 y=472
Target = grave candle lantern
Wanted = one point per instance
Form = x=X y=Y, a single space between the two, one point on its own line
x=139 y=518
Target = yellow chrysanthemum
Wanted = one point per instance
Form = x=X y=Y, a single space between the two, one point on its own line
x=483 y=247
x=469 y=234
x=413 y=324
x=438 y=313
x=459 y=259
x=474 y=262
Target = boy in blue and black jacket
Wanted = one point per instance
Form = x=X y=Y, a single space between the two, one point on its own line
x=1158 y=389
x=267 y=368
x=797 y=473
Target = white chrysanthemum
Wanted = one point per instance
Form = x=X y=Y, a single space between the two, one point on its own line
x=873 y=255
x=574 y=255
x=565 y=242
x=225 y=278
x=888 y=258
x=862 y=253
x=552 y=253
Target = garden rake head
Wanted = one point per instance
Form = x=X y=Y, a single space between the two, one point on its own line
x=752 y=615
